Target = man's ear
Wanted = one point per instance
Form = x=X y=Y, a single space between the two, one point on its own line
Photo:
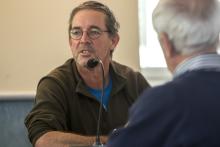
x=166 y=45
x=115 y=39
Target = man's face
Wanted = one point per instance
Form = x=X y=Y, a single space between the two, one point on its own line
x=86 y=47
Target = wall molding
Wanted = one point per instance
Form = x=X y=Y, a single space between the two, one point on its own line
x=17 y=95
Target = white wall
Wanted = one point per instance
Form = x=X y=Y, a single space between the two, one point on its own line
x=34 y=40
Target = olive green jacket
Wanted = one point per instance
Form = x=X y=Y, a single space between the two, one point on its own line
x=62 y=102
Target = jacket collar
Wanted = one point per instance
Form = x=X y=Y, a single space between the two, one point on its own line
x=118 y=79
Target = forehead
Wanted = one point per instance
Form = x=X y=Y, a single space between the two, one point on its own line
x=87 y=18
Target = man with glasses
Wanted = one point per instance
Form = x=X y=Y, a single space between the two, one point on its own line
x=68 y=99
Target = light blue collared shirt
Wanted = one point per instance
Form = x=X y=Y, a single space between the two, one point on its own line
x=203 y=61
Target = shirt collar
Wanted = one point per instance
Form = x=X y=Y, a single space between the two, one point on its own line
x=204 y=61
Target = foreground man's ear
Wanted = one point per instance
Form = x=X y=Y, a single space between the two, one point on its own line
x=167 y=46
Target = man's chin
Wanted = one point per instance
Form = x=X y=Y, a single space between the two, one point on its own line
x=82 y=60
x=82 y=63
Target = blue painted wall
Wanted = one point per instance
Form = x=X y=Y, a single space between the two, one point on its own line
x=13 y=132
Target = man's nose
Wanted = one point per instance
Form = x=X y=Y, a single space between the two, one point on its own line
x=85 y=37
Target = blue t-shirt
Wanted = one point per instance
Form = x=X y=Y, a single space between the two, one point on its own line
x=98 y=92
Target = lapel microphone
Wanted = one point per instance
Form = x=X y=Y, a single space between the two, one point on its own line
x=93 y=62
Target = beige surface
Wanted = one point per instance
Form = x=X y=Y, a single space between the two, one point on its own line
x=33 y=38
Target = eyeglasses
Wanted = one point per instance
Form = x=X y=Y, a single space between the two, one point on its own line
x=92 y=33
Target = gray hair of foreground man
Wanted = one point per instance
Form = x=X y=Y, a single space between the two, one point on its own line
x=191 y=25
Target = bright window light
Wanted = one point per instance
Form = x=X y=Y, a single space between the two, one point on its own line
x=150 y=51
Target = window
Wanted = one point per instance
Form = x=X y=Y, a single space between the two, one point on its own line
x=150 y=52
x=152 y=62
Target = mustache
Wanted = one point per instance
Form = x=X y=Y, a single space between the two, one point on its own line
x=87 y=47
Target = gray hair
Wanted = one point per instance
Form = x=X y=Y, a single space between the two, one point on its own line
x=191 y=25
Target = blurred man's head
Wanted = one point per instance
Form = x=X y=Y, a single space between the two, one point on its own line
x=189 y=26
